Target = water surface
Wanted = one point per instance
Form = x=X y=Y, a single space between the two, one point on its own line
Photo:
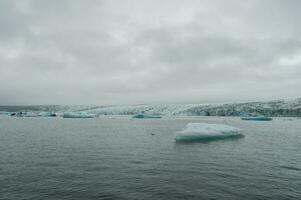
x=123 y=158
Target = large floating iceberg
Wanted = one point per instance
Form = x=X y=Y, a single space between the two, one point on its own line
x=207 y=132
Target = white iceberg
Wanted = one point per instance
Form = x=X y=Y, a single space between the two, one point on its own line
x=29 y=114
x=78 y=115
x=207 y=132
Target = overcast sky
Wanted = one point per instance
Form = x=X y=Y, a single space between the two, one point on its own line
x=155 y=51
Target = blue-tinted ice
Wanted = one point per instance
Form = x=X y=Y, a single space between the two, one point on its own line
x=207 y=132
x=145 y=115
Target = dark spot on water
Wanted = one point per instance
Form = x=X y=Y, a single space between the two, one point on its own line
x=290 y=168
x=137 y=162
x=210 y=139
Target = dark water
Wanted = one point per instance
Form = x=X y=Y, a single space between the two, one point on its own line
x=101 y=158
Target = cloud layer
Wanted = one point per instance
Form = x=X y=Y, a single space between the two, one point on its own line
x=133 y=51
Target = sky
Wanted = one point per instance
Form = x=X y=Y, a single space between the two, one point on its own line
x=148 y=51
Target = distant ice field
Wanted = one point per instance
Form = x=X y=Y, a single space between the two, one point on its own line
x=277 y=108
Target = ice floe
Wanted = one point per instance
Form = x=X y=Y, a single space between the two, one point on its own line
x=145 y=115
x=207 y=132
x=257 y=118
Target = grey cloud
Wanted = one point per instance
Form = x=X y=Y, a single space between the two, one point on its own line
x=128 y=52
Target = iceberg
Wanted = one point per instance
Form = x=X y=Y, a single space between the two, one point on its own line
x=29 y=114
x=18 y=114
x=144 y=115
x=257 y=118
x=78 y=115
x=5 y=113
x=34 y=114
x=207 y=132
x=47 y=114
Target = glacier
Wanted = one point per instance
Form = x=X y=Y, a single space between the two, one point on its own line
x=276 y=108
x=207 y=132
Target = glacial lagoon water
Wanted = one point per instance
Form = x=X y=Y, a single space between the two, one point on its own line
x=124 y=158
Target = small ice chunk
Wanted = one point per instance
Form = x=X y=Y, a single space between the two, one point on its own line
x=34 y=114
x=30 y=114
x=207 y=132
x=47 y=114
x=19 y=114
x=5 y=113
x=257 y=118
x=145 y=115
